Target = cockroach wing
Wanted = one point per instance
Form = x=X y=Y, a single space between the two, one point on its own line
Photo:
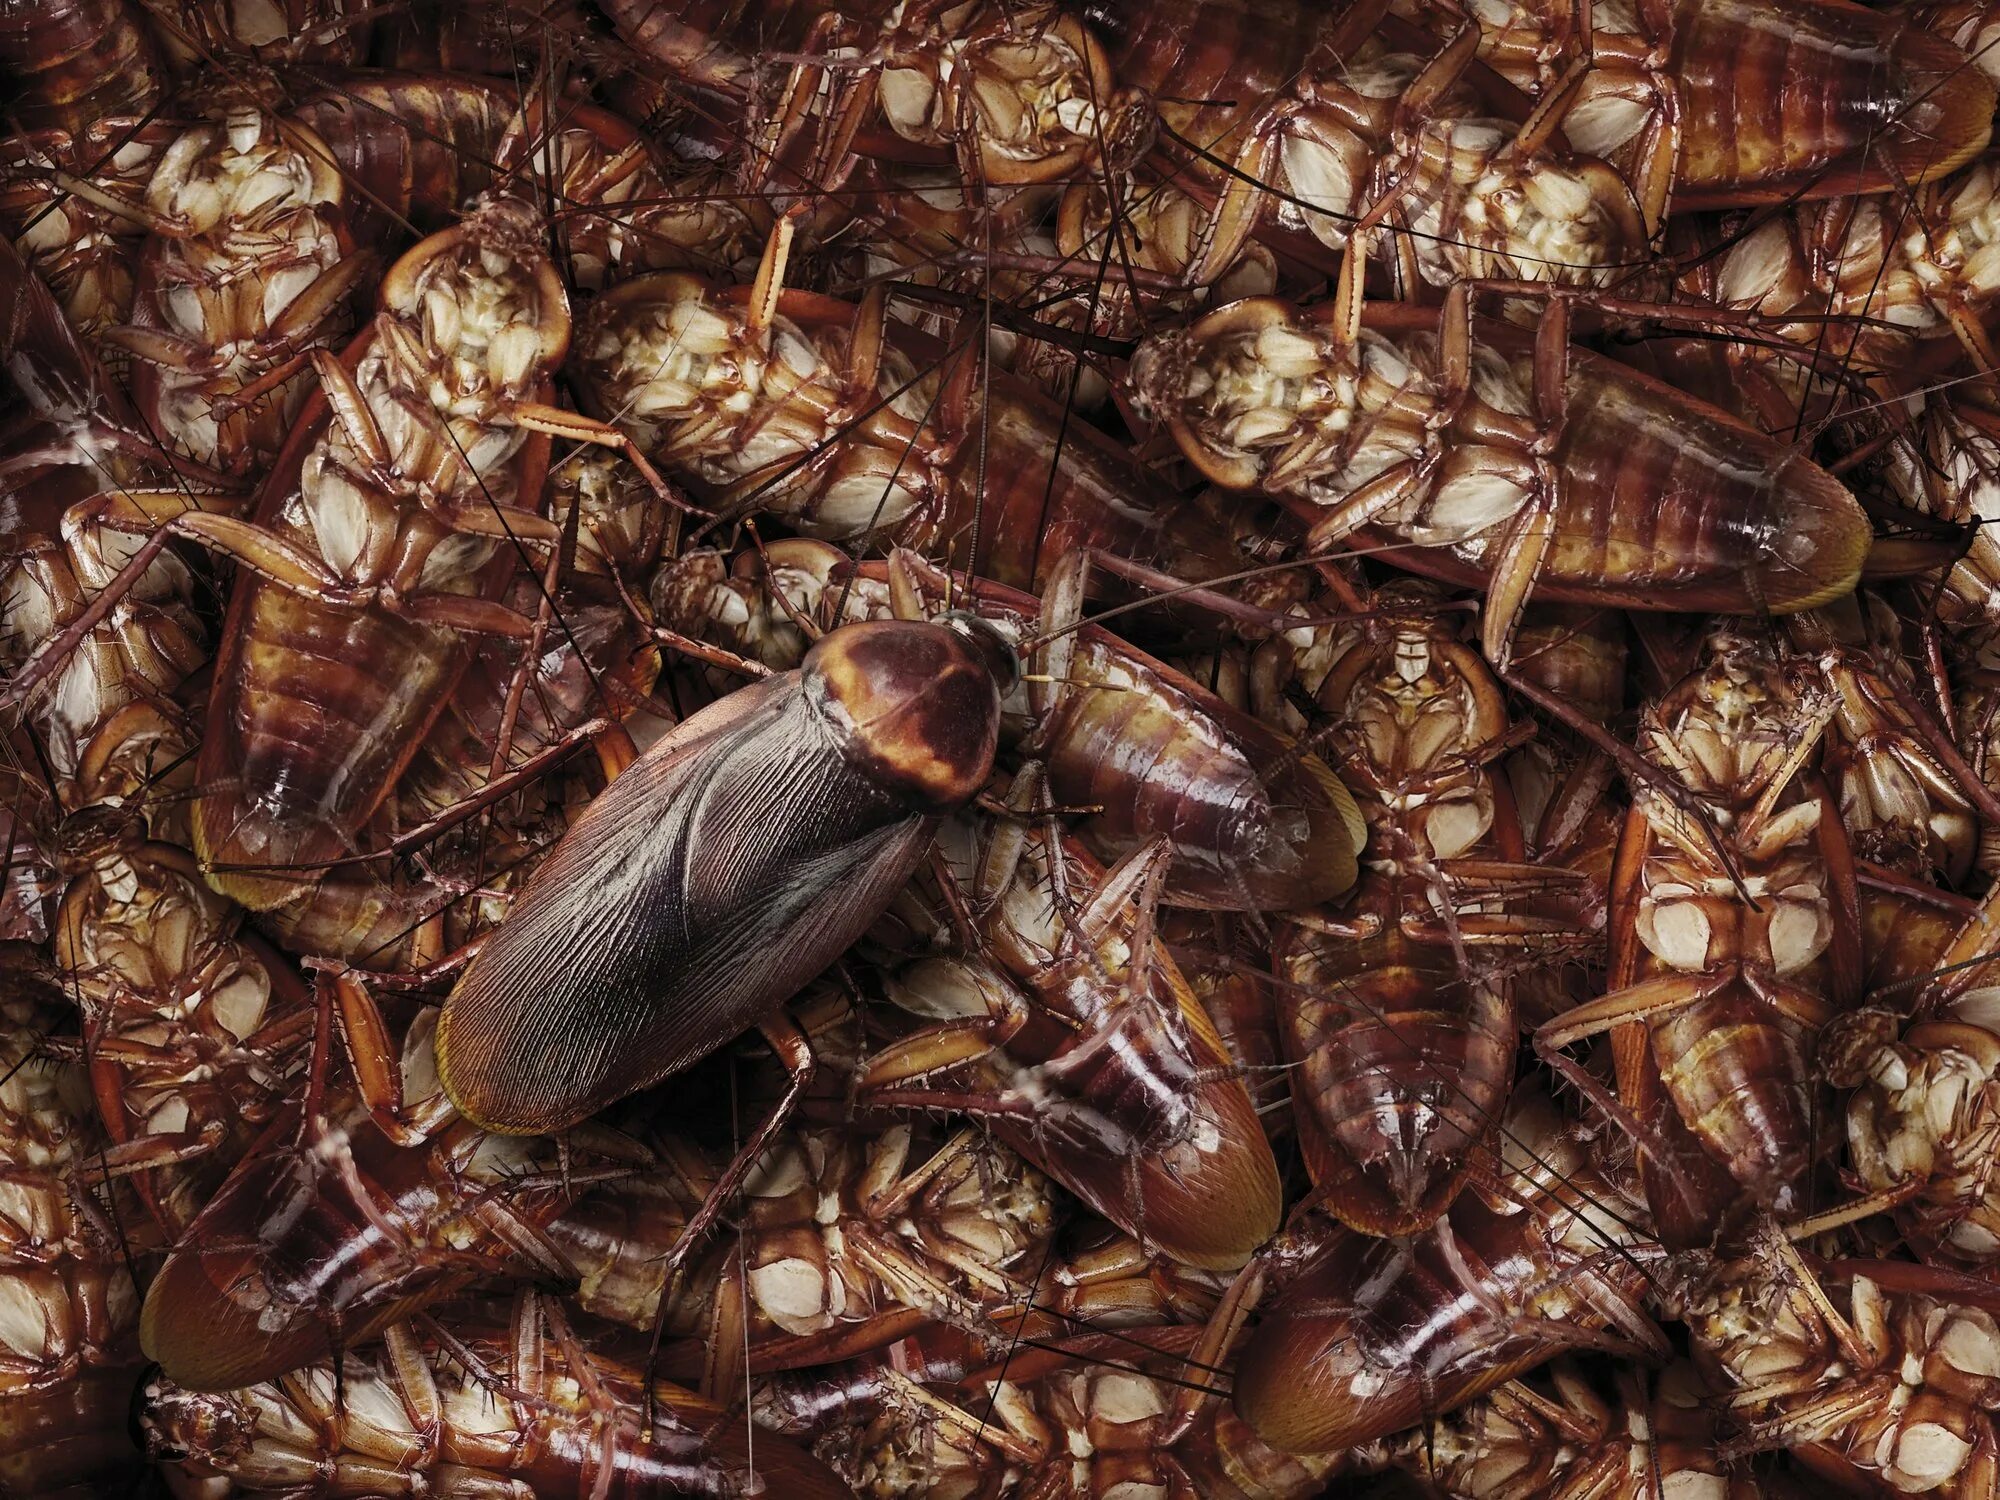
x=701 y=891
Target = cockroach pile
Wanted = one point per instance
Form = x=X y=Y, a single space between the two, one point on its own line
x=965 y=749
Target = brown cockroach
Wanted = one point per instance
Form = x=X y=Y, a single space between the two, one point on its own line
x=71 y=63
x=198 y=36
x=1014 y=95
x=1309 y=117
x=1923 y=1123
x=357 y=1208
x=1400 y=1021
x=1721 y=103
x=1469 y=456
x=1892 y=766
x=469 y=1406
x=192 y=1029
x=89 y=626
x=1873 y=1369
x=1253 y=822
x=847 y=1242
x=844 y=423
x=1364 y=1337
x=248 y=267
x=826 y=783
x=67 y=1304
x=1088 y=1418
x=1056 y=1018
x=518 y=710
x=1735 y=936
x=385 y=531
x=1651 y=1437
x=1566 y=794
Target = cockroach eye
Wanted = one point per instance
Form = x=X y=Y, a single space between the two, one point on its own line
x=994 y=648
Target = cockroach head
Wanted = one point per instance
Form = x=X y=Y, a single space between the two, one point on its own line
x=169 y=1423
x=1157 y=380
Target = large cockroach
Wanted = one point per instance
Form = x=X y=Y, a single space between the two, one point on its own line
x=1735 y=936
x=470 y=1407
x=1314 y=119
x=733 y=862
x=1463 y=454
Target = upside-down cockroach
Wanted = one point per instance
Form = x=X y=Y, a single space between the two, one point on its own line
x=388 y=527
x=1057 y=1019
x=1401 y=1022
x=1463 y=454
x=357 y=1208
x=468 y=1406
x=1713 y=103
x=824 y=781
x=1251 y=821
x=1364 y=1337
x=1313 y=120
x=1873 y=1369
x=67 y=1304
x=1735 y=936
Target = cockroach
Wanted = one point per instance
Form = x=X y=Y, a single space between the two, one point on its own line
x=1568 y=1439
x=84 y=243
x=74 y=473
x=248 y=268
x=1313 y=120
x=357 y=1208
x=824 y=785
x=466 y=1406
x=1722 y=103
x=1735 y=937
x=1471 y=457
x=71 y=63
x=846 y=424
x=1057 y=1019
x=1923 y=1123
x=1873 y=1369
x=1013 y=95
x=67 y=1354
x=192 y=1030
x=385 y=531
x=1364 y=1337
x=1401 y=1028
x=848 y=1242
x=1253 y=823
x=1089 y=1418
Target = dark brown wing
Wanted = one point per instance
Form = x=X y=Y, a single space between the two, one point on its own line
x=700 y=892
